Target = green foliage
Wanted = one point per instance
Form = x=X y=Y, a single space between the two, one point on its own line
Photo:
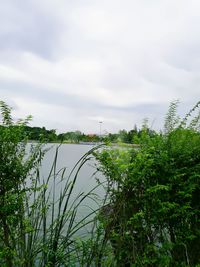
x=15 y=167
x=40 y=134
x=150 y=216
x=39 y=221
x=153 y=216
x=172 y=119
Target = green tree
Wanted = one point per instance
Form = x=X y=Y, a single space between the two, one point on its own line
x=123 y=136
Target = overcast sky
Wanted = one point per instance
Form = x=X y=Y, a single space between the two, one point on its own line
x=73 y=63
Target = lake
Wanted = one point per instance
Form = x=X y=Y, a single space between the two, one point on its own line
x=68 y=156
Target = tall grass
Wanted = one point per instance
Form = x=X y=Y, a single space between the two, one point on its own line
x=50 y=230
x=40 y=222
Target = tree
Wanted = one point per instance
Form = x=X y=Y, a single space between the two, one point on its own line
x=123 y=136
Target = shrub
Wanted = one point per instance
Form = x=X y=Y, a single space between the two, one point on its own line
x=154 y=192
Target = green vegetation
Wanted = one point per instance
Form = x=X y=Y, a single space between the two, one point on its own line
x=153 y=216
x=150 y=215
x=41 y=134
x=39 y=217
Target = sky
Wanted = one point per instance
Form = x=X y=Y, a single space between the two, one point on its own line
x=74 y=63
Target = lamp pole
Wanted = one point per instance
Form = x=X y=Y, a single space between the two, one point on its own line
x=100 y=123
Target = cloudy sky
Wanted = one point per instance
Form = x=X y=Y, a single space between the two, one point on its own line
x=73 y=63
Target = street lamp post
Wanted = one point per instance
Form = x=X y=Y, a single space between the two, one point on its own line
x=100 y=123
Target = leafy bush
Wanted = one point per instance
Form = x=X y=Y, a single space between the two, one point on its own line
x=153 y=217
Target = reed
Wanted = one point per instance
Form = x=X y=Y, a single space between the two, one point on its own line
x=40 y=223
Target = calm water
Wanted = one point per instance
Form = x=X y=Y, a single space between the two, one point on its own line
x=68 y=155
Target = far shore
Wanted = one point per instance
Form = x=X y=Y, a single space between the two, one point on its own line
x=120 y=144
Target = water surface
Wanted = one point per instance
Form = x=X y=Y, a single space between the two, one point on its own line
x=68 y=156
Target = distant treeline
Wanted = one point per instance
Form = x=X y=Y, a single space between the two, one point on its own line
x=41 y=133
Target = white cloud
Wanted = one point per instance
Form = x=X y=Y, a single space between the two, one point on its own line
x=111 y=59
